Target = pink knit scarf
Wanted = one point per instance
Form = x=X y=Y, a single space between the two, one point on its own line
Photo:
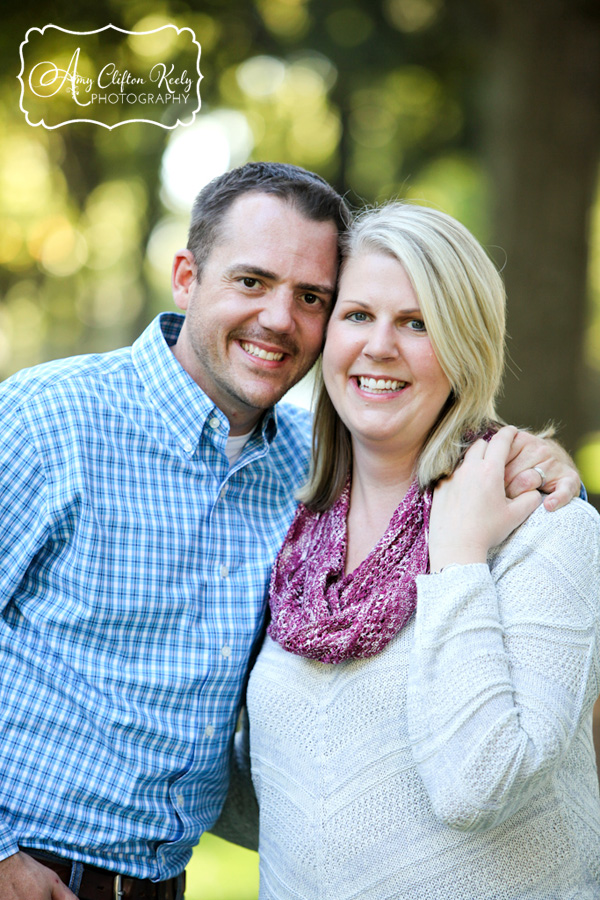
x=320 y=613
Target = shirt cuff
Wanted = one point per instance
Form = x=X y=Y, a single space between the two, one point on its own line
x=8 y=842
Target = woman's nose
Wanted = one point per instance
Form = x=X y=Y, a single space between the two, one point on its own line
x=382 y=342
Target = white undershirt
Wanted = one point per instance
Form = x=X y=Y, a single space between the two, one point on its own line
x=234 y=446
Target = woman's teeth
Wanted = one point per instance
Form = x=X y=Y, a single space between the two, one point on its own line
x=253 y=350
x=379 y=385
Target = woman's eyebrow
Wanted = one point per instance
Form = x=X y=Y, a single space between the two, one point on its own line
x=415 y=311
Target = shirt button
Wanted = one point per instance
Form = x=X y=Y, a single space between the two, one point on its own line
x=188 y=446
x=214 y=423
x=224 y=570
x=226 y=651
x=209 y=731
x=180 y=801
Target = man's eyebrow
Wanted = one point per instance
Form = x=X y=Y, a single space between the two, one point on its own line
x=248 y=269
x=317 y=288
x=271 y=276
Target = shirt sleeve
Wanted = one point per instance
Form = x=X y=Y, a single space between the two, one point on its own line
x=8 y=842
x=23 y=527
x=505 y=668
x=23 y=505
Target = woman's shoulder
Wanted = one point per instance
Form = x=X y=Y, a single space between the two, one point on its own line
x=566 y=540
x=576 y=518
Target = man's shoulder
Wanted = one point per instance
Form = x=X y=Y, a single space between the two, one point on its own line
x=294 y=425
x=63 y=377
x=290 y=451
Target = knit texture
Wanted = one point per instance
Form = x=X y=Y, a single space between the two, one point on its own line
x=321 y=613
x=458 y=763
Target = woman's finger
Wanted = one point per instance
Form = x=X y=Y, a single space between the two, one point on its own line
x=477 y=450
x=522 y=506
x=499 y=447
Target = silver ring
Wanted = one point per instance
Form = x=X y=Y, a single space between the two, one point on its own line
x=542 y=475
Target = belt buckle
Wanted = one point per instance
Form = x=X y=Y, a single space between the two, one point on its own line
x=118 y=891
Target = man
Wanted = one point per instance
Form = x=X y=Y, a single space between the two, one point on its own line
x=143 y=496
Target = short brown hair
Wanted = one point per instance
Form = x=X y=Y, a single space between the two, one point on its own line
x=305 y=190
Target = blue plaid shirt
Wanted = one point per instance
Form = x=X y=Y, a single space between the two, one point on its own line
x=133 y=573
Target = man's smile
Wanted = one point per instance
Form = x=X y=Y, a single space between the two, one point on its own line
x=255 y=350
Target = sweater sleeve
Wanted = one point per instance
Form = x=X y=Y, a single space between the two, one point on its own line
x=505 y=668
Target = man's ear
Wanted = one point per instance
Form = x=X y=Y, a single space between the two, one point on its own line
x=183 y=277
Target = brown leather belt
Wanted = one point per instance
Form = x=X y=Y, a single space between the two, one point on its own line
x=100 y=884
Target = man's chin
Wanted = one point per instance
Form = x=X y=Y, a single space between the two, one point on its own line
x=263 y=400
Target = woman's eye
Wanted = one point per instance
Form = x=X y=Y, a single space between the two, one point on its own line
x=357 y=317
x=417 y=325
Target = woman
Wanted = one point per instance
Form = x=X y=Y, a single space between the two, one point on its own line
x=421 y=708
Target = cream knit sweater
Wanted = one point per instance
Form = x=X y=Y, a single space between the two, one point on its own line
x=458 y=763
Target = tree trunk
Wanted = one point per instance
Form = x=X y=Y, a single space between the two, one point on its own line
x=542 y=131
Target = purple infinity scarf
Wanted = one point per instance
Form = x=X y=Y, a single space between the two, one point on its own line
x=320 y=613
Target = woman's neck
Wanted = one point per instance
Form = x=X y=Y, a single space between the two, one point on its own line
x=379 y=484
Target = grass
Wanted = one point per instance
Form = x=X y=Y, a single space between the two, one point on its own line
x=219 y=870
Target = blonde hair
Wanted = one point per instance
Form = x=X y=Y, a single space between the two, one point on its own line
x=463 y=301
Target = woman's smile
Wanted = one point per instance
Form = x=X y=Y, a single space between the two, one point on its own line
x=379 y=365
x=377 y=385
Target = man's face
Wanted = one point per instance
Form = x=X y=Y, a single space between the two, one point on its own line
x=255 y=321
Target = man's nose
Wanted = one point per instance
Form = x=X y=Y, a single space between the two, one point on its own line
x=277 y=313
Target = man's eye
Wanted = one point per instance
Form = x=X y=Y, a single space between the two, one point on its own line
x=311 y=299
x=250 y=282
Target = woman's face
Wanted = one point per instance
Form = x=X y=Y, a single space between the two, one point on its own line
x=378 y=363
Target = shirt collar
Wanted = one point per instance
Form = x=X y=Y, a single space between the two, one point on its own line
x=182 y=404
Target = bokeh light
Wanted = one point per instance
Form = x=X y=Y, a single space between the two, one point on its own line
x=412 y=15
x=197 y=154
x=588 y=462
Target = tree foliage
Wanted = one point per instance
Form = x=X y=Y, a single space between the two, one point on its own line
x=488 y=109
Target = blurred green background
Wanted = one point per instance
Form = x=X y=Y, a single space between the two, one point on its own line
x=489 y=109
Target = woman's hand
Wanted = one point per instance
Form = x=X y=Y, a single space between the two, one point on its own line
x=471 y=512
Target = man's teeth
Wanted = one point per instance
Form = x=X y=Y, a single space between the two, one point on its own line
x=253 y=350
x=379 y=384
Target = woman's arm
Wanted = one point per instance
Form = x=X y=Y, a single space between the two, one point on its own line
x=505 y=663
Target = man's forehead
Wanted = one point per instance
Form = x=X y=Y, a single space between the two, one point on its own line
x=261 y=205
x=264 y=221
